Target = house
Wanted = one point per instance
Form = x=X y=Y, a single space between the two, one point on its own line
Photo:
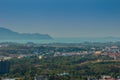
x=107 y=78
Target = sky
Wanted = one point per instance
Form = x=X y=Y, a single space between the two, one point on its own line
x=62 y=18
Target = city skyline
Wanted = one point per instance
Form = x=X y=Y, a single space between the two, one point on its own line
x=64 y=18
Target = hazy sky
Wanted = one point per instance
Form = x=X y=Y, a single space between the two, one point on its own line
x=62 y=18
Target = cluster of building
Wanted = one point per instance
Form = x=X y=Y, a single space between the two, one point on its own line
x=11 y=79
x=44 y=77
x=105 y=77
x=70 y=53
x=113 y=52
x=3 y=45
x=12 y=56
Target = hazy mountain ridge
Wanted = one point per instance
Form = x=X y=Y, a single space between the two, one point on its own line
x=9 y=34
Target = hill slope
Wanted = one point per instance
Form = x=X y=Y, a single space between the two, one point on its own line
x=11 y=35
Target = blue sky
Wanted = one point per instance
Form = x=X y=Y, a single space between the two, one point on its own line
x=62 y=18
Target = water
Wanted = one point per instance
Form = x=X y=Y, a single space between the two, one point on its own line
x=65 y=40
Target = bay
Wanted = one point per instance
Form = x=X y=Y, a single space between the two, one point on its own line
x=65 y=40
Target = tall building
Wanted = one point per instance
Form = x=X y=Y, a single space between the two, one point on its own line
x=4 y=67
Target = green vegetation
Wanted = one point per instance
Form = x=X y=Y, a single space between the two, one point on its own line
x=78 y=67
x=56 y=65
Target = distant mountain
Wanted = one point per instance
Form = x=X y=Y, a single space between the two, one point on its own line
x=111 y=37
x=6 y=34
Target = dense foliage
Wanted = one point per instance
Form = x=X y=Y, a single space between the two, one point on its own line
x=77 y=67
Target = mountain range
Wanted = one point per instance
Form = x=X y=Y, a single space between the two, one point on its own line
x=7 y=34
